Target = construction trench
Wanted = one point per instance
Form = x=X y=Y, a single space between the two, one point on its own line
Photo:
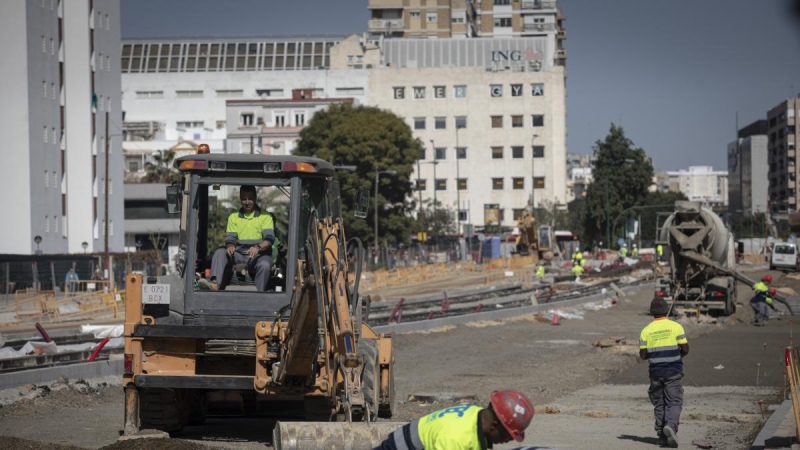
x=494 y=304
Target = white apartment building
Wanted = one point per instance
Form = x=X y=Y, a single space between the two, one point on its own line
x=60 y=83
x=701 y=183
x=748 y=170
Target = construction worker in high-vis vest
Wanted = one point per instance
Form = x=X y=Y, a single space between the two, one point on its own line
x=762 y=299
x=466 y=427
x=540 y=271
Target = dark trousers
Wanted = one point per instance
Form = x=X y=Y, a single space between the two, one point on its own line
x=759 y=306
x=666 y=395
x=221 y=262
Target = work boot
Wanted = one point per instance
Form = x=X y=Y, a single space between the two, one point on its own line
x=672 y=437
x=208 y=285
x=662 y=440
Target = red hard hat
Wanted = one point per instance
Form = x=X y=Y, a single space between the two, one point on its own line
x=514 y=410
x=772 y=291
x=767 y=278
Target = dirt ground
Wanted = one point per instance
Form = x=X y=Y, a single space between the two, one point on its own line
x=586 y=397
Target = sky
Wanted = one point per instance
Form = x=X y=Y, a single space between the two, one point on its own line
x=674 y=73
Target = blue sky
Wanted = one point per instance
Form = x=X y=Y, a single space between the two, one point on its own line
x=673 y=73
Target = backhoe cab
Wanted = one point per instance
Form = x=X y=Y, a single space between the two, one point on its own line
x=301 y=349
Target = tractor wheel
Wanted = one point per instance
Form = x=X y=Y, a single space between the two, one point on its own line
x=162 y=409
x=370 y=376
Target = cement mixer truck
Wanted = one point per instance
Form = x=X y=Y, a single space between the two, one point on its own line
x=701 y=257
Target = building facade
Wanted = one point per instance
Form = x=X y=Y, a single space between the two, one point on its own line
x=748 y=169
x=701 y=183
x=62 y=116
x=783 y=132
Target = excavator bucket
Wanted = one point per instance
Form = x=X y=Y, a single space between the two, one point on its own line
x=331 y=435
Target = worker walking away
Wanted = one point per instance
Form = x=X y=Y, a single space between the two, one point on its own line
x=577 y=270
x=466 y=427
x=660 y=252
x=577 y=256
x=623 y=252
x=663 y=343
x=762 y=299
x=635 y=252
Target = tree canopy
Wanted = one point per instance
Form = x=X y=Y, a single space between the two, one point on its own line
x=371 y=139
x=161 y=170
x=622 y=175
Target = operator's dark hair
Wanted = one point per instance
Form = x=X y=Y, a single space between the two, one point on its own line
x=247 y=188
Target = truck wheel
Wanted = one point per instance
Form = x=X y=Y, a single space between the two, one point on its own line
x=196 y=407
x=370 y=376
x=162 y=409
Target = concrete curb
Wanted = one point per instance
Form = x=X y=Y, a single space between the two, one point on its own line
x=779 y=430
x=73 y=372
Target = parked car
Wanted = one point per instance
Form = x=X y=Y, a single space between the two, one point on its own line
x=784 y=257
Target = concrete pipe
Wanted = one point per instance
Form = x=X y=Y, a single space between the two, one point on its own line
x=331 y=435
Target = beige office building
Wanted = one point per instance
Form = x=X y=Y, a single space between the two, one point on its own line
x=783 y=132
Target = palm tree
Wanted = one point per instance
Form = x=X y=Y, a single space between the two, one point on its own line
x=161 y=171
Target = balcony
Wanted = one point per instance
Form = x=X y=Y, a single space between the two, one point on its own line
x=562 y=34
x=539 y=27
x=535 y=4
x=385 y=4
x=561 y=53
x=385 y=25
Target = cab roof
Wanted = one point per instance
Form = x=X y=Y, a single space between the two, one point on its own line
x=322 y=167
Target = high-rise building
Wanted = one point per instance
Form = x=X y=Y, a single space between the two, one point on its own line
x=701 y=183
x=747 y=170
x=784 y=133
x=60 y=81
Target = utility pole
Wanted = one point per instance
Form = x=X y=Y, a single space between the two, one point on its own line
x=105 y=208
x=608 y=224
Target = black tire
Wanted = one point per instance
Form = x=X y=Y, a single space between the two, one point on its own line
x=370 y=376
x=196 y=407
x=162 y=409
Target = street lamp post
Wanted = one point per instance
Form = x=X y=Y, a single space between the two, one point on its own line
x=458 y=188
x=434 y=162
x=533 y=177
x=377 y=179
x=37 y=240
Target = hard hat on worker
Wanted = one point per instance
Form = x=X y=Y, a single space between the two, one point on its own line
x=773 y=291
x=514 y=410
x=767 y=278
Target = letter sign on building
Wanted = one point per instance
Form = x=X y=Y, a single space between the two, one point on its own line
x=419 y=92
x=516 y=90
x=496 y=90
x=399 y=93
x=439 y=91
x=537 y=89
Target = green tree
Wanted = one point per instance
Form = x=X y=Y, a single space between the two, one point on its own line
x=576 y=219
x=548 y=213
x=370 y=139
x=622 y=174
x=437 y=221
x=161 y=170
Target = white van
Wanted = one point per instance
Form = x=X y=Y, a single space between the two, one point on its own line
x=785 y=256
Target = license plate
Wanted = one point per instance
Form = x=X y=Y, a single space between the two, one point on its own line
x=155 y=294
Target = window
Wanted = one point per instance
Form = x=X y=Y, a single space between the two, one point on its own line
x=460 y=91
x=457 y=19
x=422 y=184
x=518 y=213
x=279 y=118
x=44 y=45
x=441 y=153
x=518 y=183
x=44 y=134
x=497 y=121
x=440 y=123
x=53 y=91
x=415 y=14
x=497 y=152
x=100 y=61
x=502 y=21
x=461 y=153
x=53 y=135
x=133 y=166
x=501 y=214
x=496 y=90
x=108 y=27
x=538 y=151
x=246 y=119
x=150 y=94
x=422 y=153
x=220 y=124
x=55 y=224
x=47 y=179
x=230 y=93
x=538 y=120
x=419 y=123
x=537 y=89
x=517 y=152
x=46 y=224
x=439 y=92
x=461 y=122
x=432 y=17
x=516 y=90
x=538 y=182
x=462 y=184
x=502 y=2
x=399 y=93
x=497 y=184
x=52 y=46
x=516 y=121
x=441 y=184
x=189 y=94
x=300 y=119
x=189 y=124
x=55 y=179
x=350 y=91
x=108 y=64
